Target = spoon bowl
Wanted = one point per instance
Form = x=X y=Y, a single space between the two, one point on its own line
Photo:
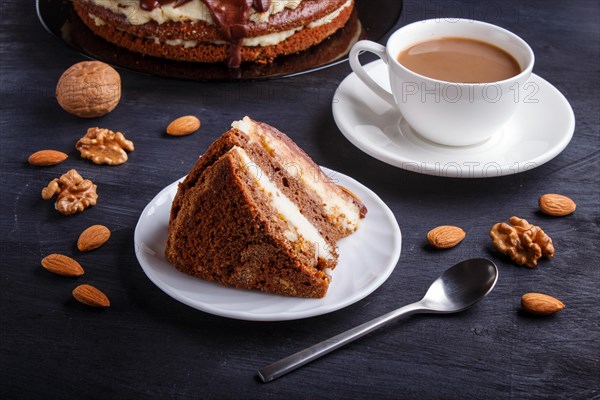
x=461 y=286
x=458 y=288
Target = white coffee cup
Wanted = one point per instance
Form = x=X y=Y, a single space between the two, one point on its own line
x=452 y=114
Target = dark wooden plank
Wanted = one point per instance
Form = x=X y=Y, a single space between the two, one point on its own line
x=149 y=345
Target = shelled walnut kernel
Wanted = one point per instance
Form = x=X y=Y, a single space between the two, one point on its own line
x=104 y=146
x=75 y=194
x=523 y=242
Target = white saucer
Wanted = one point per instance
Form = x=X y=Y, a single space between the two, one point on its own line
x=367 y=258
x=538 y=132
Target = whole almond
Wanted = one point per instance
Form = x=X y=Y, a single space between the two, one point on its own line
x=62 y=265
x=90 y=296
x=445 y=236
x=93 y=237
x=556 y=205
x=541 y=304
x=44 y=158
x=183 y=126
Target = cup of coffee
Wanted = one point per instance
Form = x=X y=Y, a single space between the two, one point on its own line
x=455 y=81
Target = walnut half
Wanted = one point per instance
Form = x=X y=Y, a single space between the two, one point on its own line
x=75 y=194
x=104 y=146
x=523 y=242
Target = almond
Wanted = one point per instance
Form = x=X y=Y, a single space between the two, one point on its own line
x=183 y=126
x=541 y=304
x=445 y=236
x=44 y=158
x=62 y=265
x=90 y=296
x=556 y=205
x=93 y=237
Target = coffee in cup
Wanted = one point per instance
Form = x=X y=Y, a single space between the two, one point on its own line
x=455 y=81
x=459 y=60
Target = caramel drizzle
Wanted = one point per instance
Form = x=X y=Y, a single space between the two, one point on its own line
x=231 y=17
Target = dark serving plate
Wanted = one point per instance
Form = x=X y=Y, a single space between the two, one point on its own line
x=367 y=22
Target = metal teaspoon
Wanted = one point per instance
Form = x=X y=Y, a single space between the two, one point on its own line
x=458 y=288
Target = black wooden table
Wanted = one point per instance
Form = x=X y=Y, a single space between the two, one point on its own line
x=147 y=345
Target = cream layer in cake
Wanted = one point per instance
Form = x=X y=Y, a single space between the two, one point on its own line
x=343 y=212
x=196 y=10
x=300 y=229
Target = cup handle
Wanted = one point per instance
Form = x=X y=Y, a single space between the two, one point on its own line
x=379 y=50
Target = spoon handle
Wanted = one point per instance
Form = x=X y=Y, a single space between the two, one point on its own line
x=296 y=360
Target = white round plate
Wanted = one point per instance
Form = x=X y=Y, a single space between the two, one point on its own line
x=367 y=258
x=541 y=128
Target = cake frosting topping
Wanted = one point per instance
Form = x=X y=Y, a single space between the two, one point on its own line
x=259 y=5
x=229 y=31
x=231 y=16
x=152 y=4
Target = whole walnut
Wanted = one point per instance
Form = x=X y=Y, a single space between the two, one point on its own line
x=89 y=89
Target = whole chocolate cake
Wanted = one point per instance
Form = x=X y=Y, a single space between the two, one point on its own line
x=210 y=31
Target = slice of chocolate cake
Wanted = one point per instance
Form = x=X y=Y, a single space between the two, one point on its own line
x=229 y=31
x=256 y=212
